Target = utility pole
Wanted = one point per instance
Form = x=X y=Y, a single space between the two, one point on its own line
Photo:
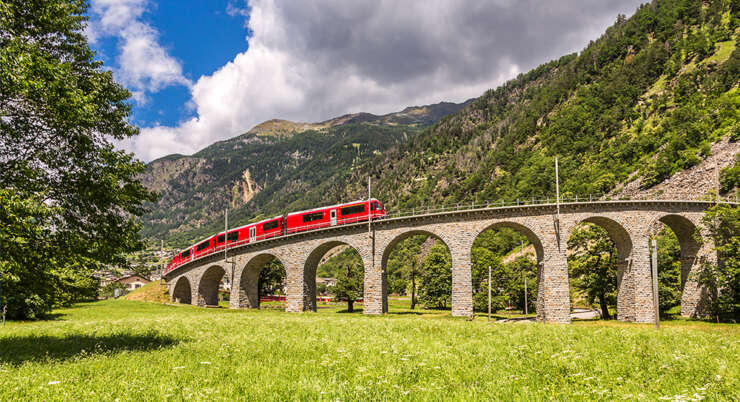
x=489 y=293
x=557 y=187
x=369 y=206
x=654 y=252
x=525 y=281
x=226 y=255
x=226 y=233
x=525 y=296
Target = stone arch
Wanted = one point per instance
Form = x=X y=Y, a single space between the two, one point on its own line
x=248 y=286
x=617 y=232
x=539 y=255
x=310 y=266
x=388 y=249
x=182 y=292
x=208 y=285
x=694 y=252
x=405 y=235
x=526 y=231
x=624 y=245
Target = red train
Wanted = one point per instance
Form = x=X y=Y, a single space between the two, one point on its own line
x=340 y=214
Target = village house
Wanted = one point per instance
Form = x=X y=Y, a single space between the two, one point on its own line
x=133 y=282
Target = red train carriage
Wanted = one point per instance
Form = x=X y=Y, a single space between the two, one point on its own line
x=340 y=214
x=180 y=258
x=251 y=233
x=334 y=215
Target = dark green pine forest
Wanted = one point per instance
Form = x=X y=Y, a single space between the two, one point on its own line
x=646 y=100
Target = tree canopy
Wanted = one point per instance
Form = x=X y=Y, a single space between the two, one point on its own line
x=60 y=113
x=723 y=278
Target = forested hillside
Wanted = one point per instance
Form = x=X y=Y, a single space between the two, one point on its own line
x=644 y=101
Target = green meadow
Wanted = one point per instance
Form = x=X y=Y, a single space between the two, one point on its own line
x=133 y=350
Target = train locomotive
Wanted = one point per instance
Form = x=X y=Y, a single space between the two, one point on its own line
x=294 y=222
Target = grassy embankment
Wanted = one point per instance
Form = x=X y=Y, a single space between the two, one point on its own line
x=135 y=350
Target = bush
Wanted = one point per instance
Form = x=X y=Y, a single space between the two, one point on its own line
x=109 y=291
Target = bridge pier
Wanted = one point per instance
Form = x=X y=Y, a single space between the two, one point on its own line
x=625 y=290
x=694 y=295
x=643 y=308
x=462 y=281
x=553 y=295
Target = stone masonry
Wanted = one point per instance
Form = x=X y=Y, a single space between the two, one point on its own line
x=629 y=224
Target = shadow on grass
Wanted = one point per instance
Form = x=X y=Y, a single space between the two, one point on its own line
x=354 y=311
x=16 y=350
x=405 y=313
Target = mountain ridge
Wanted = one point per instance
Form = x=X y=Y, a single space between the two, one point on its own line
x=411 y=115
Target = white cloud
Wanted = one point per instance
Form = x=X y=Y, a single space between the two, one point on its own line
x=313 y=60
x=143 y=64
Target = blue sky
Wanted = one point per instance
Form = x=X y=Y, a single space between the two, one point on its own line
x=206 y=70
x=202 y=35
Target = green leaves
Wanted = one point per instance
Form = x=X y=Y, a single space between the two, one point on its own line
x=436 y=277
x=59 y=111
x=723 y=279
x=349 y=286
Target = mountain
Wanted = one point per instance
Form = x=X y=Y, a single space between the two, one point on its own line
x=417 y=116
x=650 y=107
x=276 y=166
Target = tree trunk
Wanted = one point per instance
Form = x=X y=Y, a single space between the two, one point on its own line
x=604 y=308
x=350 y=305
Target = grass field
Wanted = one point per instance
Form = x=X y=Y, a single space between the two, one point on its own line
x=132 y=350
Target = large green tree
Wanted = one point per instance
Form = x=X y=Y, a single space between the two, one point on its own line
x=60 y=112
x=593 y=265
x=723 y=279
x=272 y=278
x=435 y=287
x=349 y=286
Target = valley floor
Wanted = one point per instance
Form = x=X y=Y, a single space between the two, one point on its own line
x=132 y=350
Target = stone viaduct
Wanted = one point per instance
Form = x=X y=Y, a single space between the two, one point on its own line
x=629 y=224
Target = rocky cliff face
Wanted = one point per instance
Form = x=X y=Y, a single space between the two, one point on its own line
x=690 y=184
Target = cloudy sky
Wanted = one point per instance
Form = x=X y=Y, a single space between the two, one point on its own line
x=203 y=71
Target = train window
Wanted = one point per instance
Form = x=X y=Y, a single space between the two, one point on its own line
x=185 y=254
x=270 y=225
x=377 y=205
x=202 y=246
x=354 y=209
x=233 y=236
x=220 y=239
x=313 y=217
